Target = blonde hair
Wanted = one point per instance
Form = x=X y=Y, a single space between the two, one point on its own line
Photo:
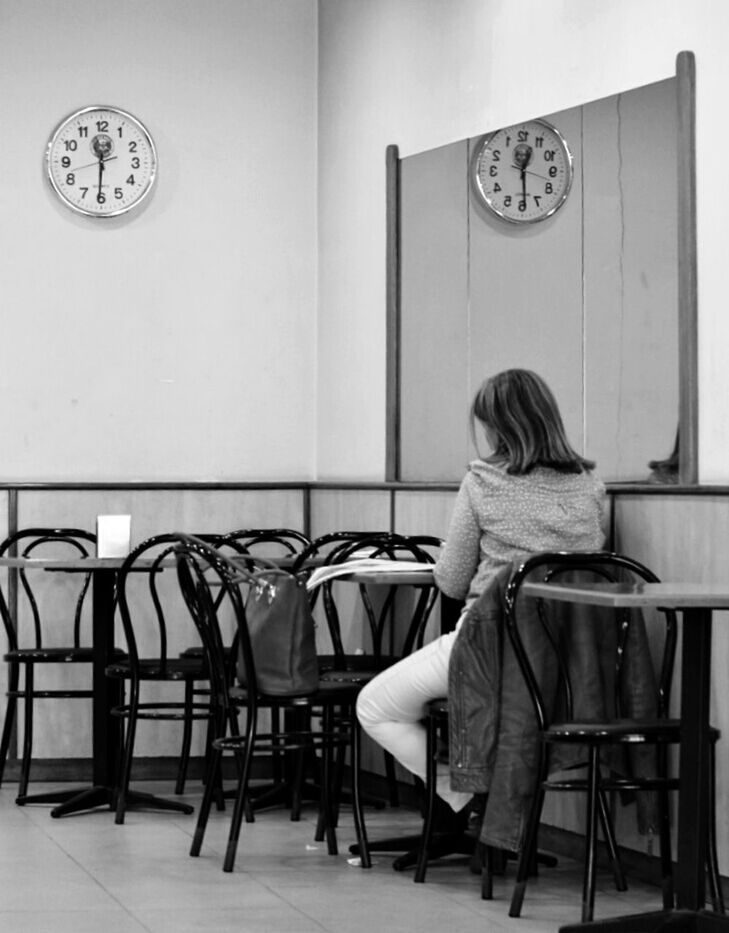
x=520 y=412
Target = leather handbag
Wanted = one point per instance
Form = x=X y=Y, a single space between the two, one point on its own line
x=282 y=634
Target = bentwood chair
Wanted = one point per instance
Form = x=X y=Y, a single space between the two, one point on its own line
x=147 y=595
x=46 y=625
x=197 y=562
x=281 y=545
x=395 y=624
x=623 y=750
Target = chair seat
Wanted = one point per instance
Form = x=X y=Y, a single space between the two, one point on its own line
x=153 y=669
x=348 y=677
x=328 y=692
x=56 y=655
x=355 y=669
x=628 y=731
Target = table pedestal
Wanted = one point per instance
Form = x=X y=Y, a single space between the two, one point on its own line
x=106 y=728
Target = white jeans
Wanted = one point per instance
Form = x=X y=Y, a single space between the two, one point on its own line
x=391 y=708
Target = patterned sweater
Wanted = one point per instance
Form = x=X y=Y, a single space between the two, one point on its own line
x=499 y=518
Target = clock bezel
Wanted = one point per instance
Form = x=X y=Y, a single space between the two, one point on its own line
x=483 y=197
x=61 y=126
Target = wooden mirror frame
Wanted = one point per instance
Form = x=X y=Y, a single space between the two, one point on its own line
x=687 y=285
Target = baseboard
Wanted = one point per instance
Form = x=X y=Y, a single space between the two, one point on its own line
x=78 y=770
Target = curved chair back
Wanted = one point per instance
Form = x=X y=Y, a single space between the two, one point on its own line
x=198 y=565
x=546 y=647
x=389 y=546
x=269 y=542
x=153 y=556
x=46 y=542
x=321 y=549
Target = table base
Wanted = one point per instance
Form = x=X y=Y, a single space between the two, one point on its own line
x=91 y=798
x=660 y=921
x=442 y=845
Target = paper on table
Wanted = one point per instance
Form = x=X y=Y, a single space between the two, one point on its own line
x=363 y=564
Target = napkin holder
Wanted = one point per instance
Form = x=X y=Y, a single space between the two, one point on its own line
x=113 y=535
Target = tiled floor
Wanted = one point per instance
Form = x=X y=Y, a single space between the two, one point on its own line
x=83 y=874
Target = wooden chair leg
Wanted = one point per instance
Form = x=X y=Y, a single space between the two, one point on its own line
x=712 y=859
x=528 y=850
x=431 y=767
x=186 y=739
x=11 y=715
x=358 y=813
x=125 y=771
x=27 y=753
x=609 y=835
x=593 y=790
x=212 y=783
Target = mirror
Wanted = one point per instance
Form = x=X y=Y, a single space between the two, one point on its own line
x=588 y=297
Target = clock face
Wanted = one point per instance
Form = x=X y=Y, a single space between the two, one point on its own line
x=101 y=161
x=523 y=173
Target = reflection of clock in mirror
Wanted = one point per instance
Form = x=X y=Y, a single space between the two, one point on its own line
x=523 y=173
x=101 y=161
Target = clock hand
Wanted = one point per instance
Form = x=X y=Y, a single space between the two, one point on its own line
x=523 y=185
x=530 y=172
x=99 y=195
x=78 y=168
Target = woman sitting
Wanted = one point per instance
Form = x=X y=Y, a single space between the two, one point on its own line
x=532 y=493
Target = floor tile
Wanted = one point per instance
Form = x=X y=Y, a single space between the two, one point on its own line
x=140 y=878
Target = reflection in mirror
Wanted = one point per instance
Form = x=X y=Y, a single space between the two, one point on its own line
x=587 y=297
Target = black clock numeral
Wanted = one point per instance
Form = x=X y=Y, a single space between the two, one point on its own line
x=552 y=171
x=65 y=162
x=83 y=131
x=135 y=162
x=133 y=145
x=497 y=186
x=70 y=145
x=539 y=142
x=130 y=180
x=537 y=199
x=522 y=136
x=101 y=198
x=118 y=194
x=102 y=126
x=493 y=171
x=548 y=189
x=549 y=155
x=507 y=200
x=508 y=141
x=70 y=179
x=496 y=155
x=120 y=131
x=84 y=192
x=522 y=206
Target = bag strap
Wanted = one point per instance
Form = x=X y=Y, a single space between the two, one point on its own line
x=258 y=578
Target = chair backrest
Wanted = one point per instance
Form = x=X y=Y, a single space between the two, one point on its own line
x=380 y=618
x=202 y=570
x=146 y=598
x=321 y=549
x=269 y=542
x=568 y=654
x=50 y=543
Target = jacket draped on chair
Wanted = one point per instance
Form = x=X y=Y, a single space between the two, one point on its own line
x=493 y=733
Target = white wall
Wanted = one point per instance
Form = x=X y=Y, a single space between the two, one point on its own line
x=178 y=343
x=423 y=73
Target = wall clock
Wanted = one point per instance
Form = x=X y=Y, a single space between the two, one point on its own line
x=523 y=173
x=101 y=161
